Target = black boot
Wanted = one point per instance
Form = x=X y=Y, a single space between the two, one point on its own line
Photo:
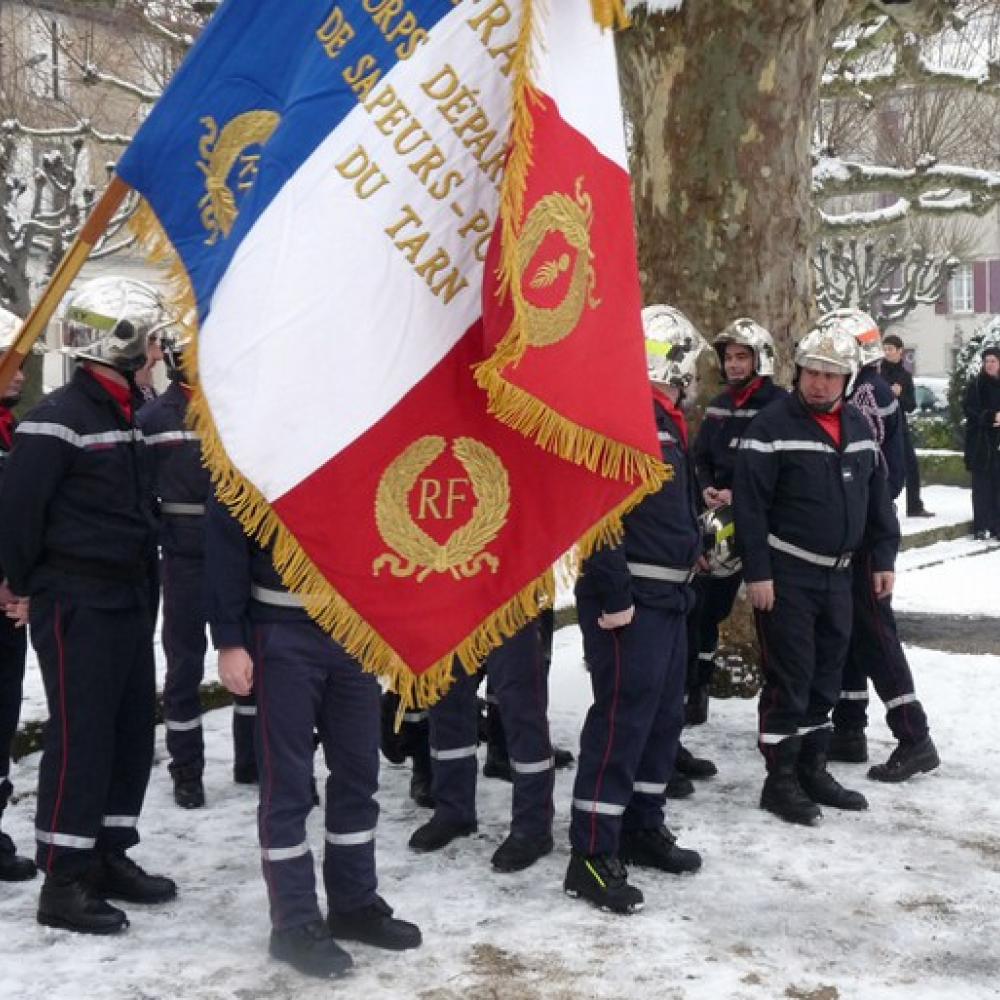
x=816 y=780
x=69 y=902
x=696 y=768
x=518 y=852
x=783 y=795
x=823 y=787
x=907 y=760
x=679 y=787
x=375 y=925
x=14 y=868
x=117 y=876
x=848 y=745
x=657 y=848
x=189 y=792
x=438 y=832
x=602 y=880
x=311 y=950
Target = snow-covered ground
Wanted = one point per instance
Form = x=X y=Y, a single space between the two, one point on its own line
x=950 y=504
x=900 y=902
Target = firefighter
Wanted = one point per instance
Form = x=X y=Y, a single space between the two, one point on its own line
x=746 y=359
x=78 y=537
x=808 y=491
x=182 y=485
x=633 y=600
x=13 y=640
x=304 y=682
x=875 y=651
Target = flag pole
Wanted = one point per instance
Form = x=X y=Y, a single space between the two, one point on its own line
x=69 y=267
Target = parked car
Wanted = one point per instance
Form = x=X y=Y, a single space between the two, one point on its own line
x=931 y=392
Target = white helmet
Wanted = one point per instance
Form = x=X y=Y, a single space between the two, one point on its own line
x=748 y=333
x=718 y=529
x=9 y=327
x=829 y=348
x=110 y=320
x=672 y=346
x=862 y=328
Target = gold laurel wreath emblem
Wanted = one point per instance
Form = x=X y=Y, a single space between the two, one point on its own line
x=219 y=153
x=558 y=213
x=464 y=554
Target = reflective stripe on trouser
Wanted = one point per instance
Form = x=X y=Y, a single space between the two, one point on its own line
x=13 y=644
x=244 y=725
x=803 y=645
x=305 y=682
x=184 y=645
x=714 y=597
x=97 y=665
x=631 y=732
x=518 y=679
x=876 y=653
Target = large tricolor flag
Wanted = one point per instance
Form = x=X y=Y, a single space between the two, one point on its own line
x=406 y=229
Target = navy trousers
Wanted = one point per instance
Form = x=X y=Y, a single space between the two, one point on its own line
x=184 y=645
x=97 y=665
x=519 y=680
x=876 y=653
x=305 y=682
x=803 y=644
x=714 y=597
x=13 y=646
x=630 y=736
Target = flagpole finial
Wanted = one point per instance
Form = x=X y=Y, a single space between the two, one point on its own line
x=610 y=13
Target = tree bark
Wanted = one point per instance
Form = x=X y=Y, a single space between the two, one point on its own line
x=722 y=98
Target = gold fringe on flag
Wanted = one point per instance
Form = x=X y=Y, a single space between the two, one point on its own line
x=610 y=13
x=298 y=572
x=508 y=403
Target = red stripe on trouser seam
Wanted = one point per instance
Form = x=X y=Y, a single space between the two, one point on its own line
x=611 y=739
x=64 y=765
x=268 y=785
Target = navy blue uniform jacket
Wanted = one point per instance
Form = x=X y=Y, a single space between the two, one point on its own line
x=662 y=531
x=77 y=515
x=794 y=482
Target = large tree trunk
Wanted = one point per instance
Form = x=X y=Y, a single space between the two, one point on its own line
x=722 y=98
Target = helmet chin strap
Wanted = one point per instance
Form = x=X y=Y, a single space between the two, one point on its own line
x=741 y=383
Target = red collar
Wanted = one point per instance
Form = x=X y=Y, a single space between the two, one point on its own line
x=830 y=422
x=6 y=427
x=740 y=396
x=121 y=394
x=673 y=411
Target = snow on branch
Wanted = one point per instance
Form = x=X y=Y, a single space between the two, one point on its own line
x=13 y=126
x=92 y=75
x=910 y=68
x=836 y=178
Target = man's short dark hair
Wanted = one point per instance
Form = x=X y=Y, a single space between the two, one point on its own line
x=891 y=340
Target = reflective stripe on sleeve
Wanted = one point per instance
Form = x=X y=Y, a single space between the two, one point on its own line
x=41 y=429
x=171 y=437
x=414 y=716
x=244 y=709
